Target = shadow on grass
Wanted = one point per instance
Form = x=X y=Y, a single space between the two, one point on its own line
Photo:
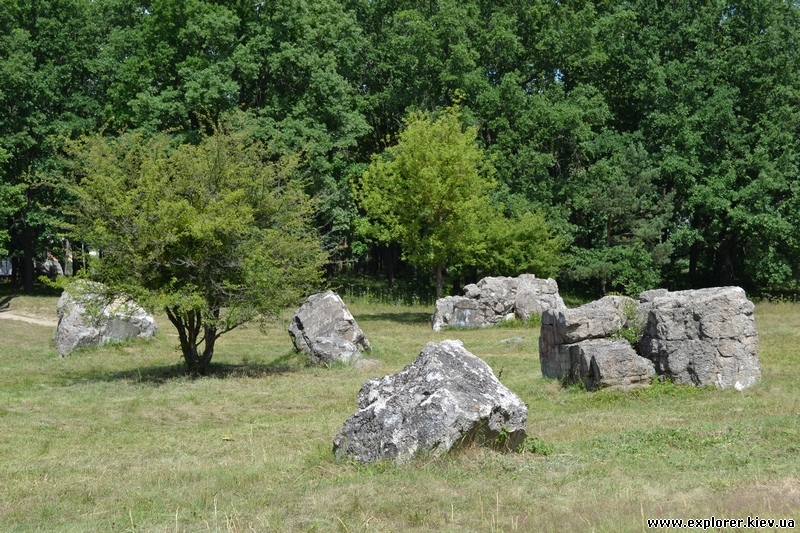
x=10 y=291
x=164 y=374
x=399 y=318
x=5 y=301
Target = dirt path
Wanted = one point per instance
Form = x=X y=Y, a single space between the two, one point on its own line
x=8 y=315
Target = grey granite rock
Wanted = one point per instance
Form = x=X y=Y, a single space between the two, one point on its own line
x=447 y=397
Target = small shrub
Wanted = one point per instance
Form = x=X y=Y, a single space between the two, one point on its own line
x=534 y=445
x=633 y=327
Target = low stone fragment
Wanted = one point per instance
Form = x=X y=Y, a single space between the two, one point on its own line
x=494 y=299
x=325 y=330
x=88 y=316
x=601 y=363
x=367 y=365
x=330 y=350
x=447 y=397
x=595 y=320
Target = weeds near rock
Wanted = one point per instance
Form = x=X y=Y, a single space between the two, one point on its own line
x=633 y=328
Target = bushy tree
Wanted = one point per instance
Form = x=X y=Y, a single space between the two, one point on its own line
x=217 y=234
x=622 y=220
x=48 y=91
x=429 y=192
x=519 y=245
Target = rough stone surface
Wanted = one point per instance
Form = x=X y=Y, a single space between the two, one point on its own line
x=601 y=363
x=698 y=337
x=325 y=330
x=702 y=337
x=445 y=398
x=86 y=317
x=329 y=350
x=561 y=328
x=494 y=299
x=535 y=296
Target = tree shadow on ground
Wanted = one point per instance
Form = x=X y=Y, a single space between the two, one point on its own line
x=400 y=318
x=5 y=302
x=164 y=374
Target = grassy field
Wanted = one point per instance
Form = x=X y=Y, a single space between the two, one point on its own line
x=117 y=439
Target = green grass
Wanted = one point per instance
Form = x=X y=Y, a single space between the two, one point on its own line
x=118 y=439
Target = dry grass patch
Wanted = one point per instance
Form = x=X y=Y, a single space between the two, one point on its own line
x=118 y=439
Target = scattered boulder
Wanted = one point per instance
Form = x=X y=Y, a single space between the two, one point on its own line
x=535 y=296
x=561 y=329
x=494 y=299
x=702 y=337
x=329 y=350
x=698 y=337
x=50 y=268
x=87 y=316
x=445 y=398
x=324 y=329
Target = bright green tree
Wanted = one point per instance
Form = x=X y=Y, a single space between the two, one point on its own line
x=519 y=245
x=429 y=192
x=216 y=234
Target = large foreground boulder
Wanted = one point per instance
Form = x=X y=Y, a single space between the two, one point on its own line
x=324 y=329
x=445 y=398
x=494 y=299
x=87 y=316
x=703 y=337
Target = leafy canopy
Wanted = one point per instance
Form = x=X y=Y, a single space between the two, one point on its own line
x=429 y=192
x=217 y=233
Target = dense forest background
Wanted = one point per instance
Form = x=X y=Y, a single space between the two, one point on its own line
x=655 y=142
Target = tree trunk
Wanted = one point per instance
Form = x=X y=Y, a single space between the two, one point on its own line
x=390 y=259
x=28 y=255
x=724 y=263
x=439 y=281
x=189 y=326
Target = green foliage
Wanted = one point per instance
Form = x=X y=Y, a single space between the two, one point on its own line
x=46 y=93
x=627 y=269
x=216 y=233
x=633 y=327
x=535 y=321
x=519 y=245
x=535 y=446
x=621 y=216
x=660 y=142
x=429 y=192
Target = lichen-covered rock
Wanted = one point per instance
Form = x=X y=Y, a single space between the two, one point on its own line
x=445 y=398
x=329 y=350
x=87 y=316
x=325 y=330
x=702 y=337
x=494 y=299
